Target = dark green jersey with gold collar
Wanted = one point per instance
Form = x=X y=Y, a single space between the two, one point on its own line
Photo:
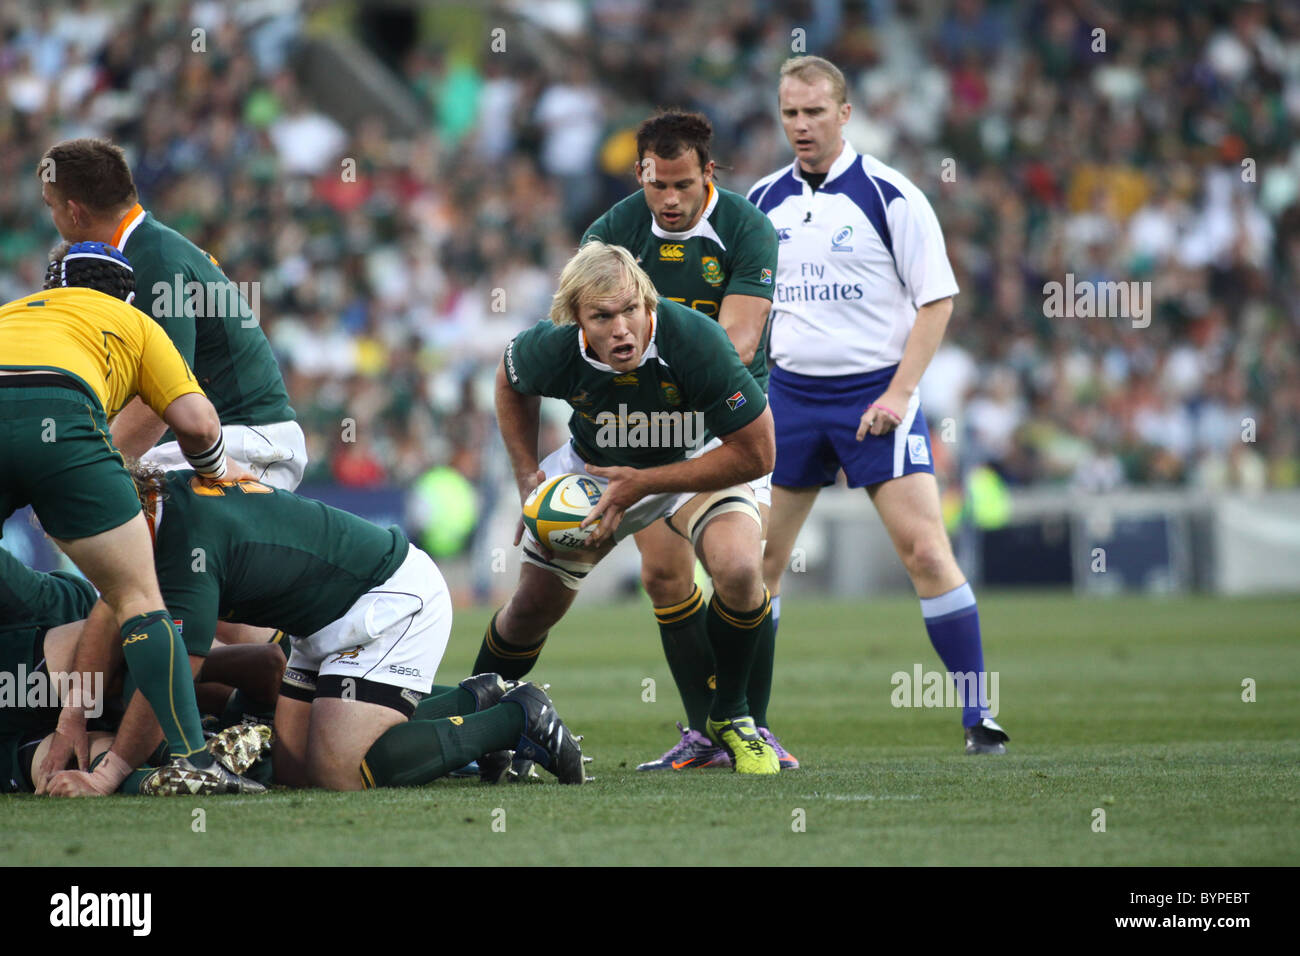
x=731 y=251
x=690 y=383
x=254 y=554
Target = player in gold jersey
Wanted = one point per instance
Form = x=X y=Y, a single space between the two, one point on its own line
x=70 y=358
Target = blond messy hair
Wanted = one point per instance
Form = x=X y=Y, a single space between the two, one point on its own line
x=147 y=477
x=599 y=271
x=809 y=69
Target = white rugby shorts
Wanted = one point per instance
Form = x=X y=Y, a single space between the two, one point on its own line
x=393 y=634
x=565 y=460
x=276 y=454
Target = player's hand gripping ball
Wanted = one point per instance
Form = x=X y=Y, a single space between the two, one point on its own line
x=557 y=506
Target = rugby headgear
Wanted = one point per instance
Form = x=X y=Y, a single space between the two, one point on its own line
x=92 y=265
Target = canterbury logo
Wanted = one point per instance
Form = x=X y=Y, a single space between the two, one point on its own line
x=628 y=379
x=135 y=637
x=672 y=252
x=456 y=720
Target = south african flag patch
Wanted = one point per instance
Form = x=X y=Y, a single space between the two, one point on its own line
x=736 y=401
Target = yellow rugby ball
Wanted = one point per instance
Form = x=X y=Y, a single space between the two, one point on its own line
x=557 y=506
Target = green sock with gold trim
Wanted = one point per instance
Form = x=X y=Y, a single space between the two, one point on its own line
x=419 y=751
x=684 y=633
x=735 y=636
x=160 y=664
x=498 y=657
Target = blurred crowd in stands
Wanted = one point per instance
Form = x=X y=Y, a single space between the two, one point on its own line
x=1154 y=145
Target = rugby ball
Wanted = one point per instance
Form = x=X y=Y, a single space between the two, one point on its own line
x=557 y=506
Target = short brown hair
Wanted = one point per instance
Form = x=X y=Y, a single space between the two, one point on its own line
x=599 y=271
x=808 y=69
x=92 y=172
x=669 y=133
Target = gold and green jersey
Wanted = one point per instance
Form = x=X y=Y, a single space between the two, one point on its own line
x=107 y=345
x=730 y=251
x=246 y=552
x=690 y=383
x=208 y=318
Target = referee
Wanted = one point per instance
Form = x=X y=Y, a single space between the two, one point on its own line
x=863 y=295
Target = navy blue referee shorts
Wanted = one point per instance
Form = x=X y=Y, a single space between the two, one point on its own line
x=817 y=423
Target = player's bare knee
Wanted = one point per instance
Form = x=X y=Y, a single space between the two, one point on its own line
x=667 y=585
x=343 y=729
x=737 y=579
x=929 y=558
x=530 y=612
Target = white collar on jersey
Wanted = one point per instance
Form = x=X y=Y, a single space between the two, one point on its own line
x=651 y=350
x=703 y=229
x=135 y=215
x=847 y=157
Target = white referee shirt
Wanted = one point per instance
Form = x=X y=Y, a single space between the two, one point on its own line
x=856 y=259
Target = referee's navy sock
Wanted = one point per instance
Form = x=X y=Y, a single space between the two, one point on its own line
x=953 y=622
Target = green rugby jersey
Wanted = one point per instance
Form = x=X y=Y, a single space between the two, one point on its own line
x=644 y=417
x=211 y=324
x=250 y=553
x=31 y=599
x=731 y=251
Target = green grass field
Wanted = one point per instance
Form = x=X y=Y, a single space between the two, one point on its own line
x=1132 y=706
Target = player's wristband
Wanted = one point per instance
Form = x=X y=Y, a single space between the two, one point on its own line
x=210 y=463
x=888 y=411
x=110 y=773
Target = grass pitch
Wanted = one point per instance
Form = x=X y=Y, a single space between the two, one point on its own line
x=1129 y=706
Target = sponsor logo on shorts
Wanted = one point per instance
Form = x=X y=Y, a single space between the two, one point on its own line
x=713 y=273
x=917 y=450
x=411 y=697
x=456 y=720
x=736 y=401
x=347 y=656
x=672 y=252
x=297 y=678
x=840 y=241
x=403 y=671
